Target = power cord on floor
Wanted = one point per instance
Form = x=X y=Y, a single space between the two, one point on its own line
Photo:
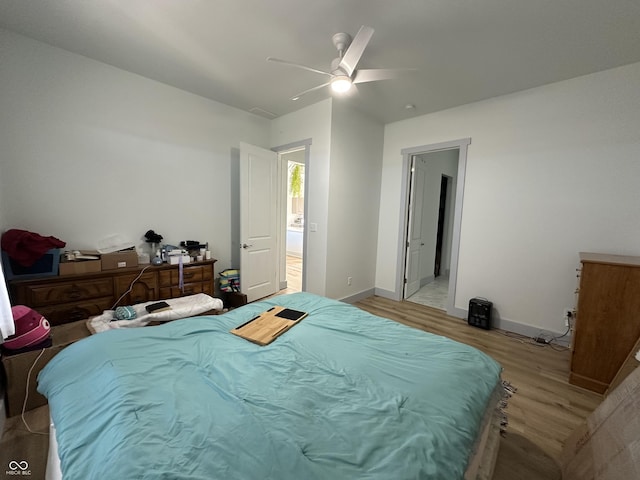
x=538 y=341
x=545 y=340
x=26 y=395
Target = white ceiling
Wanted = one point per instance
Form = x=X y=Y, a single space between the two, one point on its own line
x=464 y=50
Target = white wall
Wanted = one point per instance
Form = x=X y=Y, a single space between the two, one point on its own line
x=354 y=197
x=551 y=172
x=312 y=122
x=89 y=150
x=343 y=193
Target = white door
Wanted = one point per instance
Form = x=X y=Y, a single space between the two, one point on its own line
x=258 y=221
x=414 y=227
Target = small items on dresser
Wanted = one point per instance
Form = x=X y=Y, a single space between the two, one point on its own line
x=64 y=299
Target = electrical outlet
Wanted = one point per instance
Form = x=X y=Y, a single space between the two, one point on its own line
x=568 y=315
x=349 y=280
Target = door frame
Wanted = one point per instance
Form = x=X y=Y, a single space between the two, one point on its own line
x=282 y=247
x=462 y=146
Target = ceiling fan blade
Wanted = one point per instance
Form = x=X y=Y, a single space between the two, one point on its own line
x=352 y=56
x=298 y=65
x=373 y=75
x=296 y=97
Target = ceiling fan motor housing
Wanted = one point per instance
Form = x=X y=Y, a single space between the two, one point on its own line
x=341 y=42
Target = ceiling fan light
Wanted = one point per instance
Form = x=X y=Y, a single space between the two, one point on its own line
x=340 y=83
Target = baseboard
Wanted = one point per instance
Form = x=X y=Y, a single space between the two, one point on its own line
x=390 y=294
x=528 y=331
x=497 y=322
x=533 y=332
x=458 y=313
x=358 y=296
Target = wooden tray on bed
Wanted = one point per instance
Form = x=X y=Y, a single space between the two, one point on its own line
x=266 y=327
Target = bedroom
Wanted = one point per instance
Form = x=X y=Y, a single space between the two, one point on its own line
x=551 y=171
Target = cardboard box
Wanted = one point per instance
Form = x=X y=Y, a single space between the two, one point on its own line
x=16 y=367
x=607 y=445
x=80 y=266
x=115 y=260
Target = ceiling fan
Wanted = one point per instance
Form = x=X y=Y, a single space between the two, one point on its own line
x=343 y=69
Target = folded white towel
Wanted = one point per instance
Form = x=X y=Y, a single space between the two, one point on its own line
x=181 y=307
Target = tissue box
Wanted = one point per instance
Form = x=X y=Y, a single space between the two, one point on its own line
x=175 y=259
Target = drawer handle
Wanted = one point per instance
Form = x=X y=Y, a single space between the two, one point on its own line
x=77 y=314
x=188 y=291
x=74 y=293
x=188 y=275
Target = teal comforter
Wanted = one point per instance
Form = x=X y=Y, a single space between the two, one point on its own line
x=342 y=395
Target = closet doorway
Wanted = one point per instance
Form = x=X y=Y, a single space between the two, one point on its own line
x=433 y=181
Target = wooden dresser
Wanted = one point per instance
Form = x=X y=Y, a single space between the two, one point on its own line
x=68 y=298
x=607 y=323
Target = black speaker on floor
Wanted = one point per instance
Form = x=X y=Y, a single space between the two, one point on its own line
x=480 y=313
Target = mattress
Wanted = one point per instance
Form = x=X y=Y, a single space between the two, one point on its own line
x=343 y=394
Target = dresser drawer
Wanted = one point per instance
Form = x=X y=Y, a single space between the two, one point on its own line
x=190 y=274
x=59 y=314
x=189 y=289
x=132 y=289
x=41 y=295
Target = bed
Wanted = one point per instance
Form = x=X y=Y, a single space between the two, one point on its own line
x=342 y=395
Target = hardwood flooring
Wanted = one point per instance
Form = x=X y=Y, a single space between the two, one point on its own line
x=294 y=275
x=544 y=410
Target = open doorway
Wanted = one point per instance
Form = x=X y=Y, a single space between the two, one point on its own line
x=294 y=162
x=432 y=189
x=429 y=227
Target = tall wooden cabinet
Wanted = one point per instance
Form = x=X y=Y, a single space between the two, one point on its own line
x=607 y=323
x=68 y=298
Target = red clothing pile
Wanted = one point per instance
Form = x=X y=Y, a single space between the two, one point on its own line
x=27 y=247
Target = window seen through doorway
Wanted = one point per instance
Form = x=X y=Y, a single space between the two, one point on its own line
x=295 y=197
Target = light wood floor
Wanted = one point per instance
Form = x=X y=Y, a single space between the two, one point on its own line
x=544 y=410
x=294 y=275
